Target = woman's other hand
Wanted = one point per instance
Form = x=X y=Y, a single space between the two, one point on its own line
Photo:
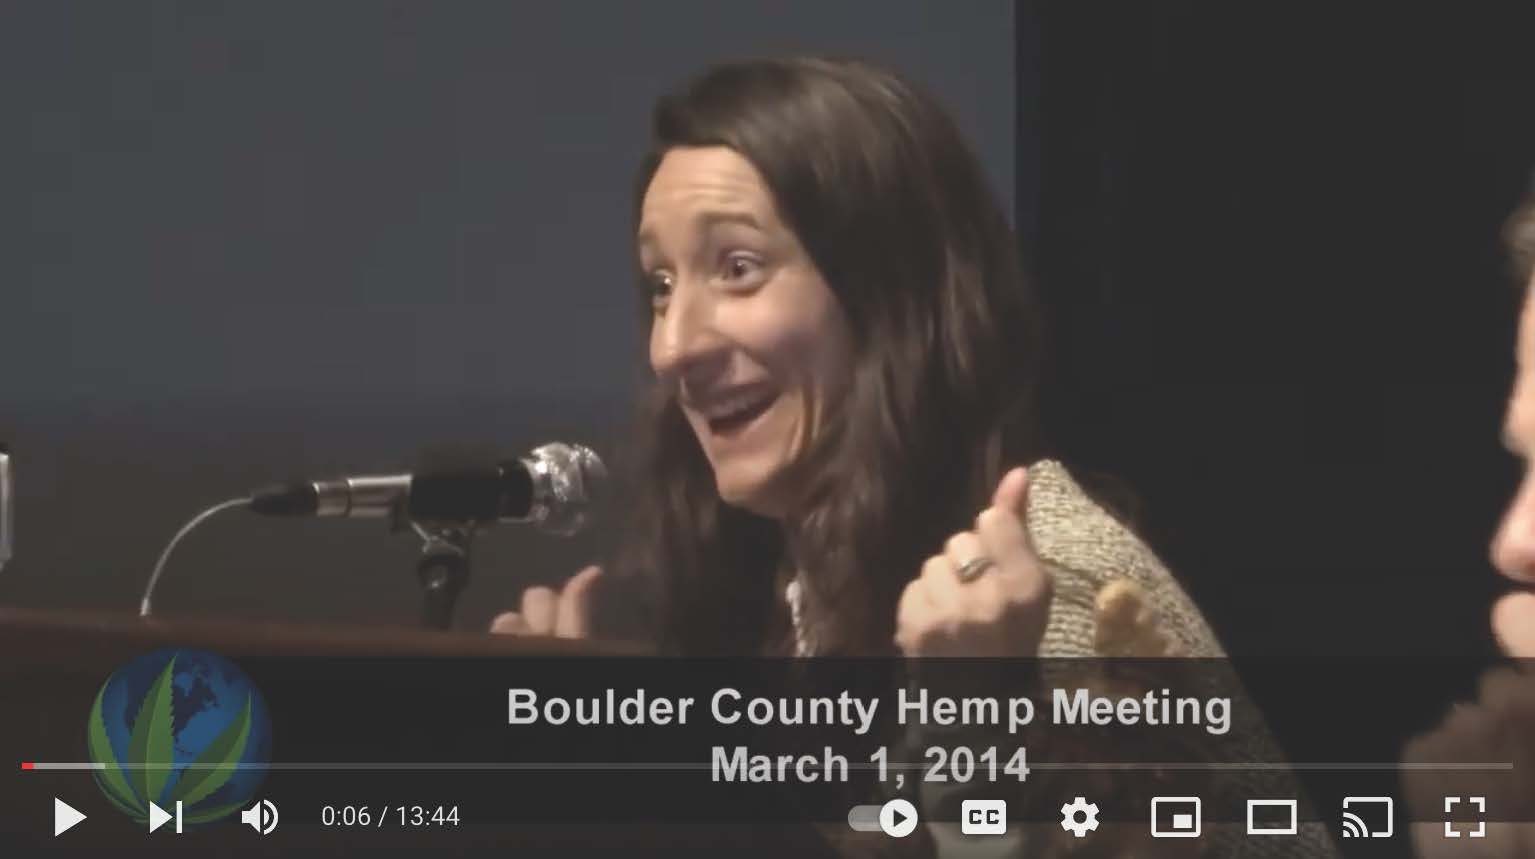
x=564 y=614
x=988 y=594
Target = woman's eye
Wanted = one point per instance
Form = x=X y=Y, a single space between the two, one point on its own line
x=660 y=290
x=739 y=267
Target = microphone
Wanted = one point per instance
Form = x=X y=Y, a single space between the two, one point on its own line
x=552 y=488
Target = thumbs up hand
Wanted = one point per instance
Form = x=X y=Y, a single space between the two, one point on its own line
x=563 y=614
x=987 y=594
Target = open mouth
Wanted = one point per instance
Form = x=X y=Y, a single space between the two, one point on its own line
x=730 y=419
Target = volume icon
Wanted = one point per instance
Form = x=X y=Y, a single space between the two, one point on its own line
x=261 y=817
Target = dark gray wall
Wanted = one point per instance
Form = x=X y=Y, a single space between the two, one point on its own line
x=270 y=239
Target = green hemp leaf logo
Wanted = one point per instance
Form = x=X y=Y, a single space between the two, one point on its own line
x=147 y=771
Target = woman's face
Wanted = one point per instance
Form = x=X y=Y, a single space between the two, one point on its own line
x=1513 y=548
x=745 y=331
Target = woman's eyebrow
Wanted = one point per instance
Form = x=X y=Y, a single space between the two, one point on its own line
x=645 y=239
x=715 y=217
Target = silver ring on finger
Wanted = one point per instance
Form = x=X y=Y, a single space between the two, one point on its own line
x=973 y=569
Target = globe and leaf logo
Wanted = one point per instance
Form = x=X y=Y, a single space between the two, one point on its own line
x=179 y=725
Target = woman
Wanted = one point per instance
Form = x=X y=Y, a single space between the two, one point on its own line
x=845 y=352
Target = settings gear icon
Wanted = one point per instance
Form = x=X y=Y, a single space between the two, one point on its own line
x=1079 y=817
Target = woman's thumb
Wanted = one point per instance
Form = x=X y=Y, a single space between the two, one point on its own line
x=573 y=616
x=1012 y=492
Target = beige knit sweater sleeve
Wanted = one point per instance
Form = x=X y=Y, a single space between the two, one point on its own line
x=1085 y=549
x=1089 y=554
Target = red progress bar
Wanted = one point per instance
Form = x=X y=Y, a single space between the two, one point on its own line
x=26 y=765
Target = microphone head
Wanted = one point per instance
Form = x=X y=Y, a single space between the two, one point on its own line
x=568 y=480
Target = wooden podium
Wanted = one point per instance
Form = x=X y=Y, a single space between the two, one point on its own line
x=99 y=641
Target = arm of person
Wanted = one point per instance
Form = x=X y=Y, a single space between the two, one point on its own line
x=1078 y=584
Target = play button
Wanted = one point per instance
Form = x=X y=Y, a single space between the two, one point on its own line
x=64 y=817
x=898 y=818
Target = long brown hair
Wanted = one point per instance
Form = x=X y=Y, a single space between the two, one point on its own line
x=894 y=209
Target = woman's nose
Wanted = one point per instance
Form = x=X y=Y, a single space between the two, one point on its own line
x=685 y=344
x=1513 y=548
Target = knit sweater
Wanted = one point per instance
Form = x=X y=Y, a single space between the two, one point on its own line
x=1085 y=549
